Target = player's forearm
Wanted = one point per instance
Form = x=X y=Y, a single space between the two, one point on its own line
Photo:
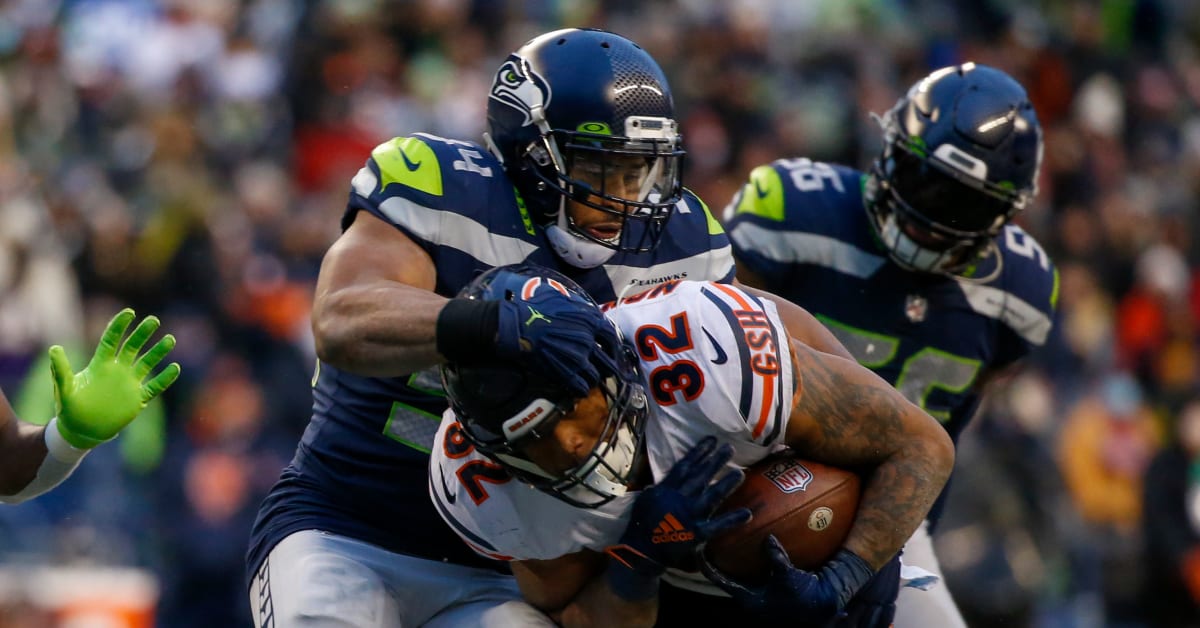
x=847 y=416
x=22 y=449
x=897 y=496
x=381 y=329
x=43 y=459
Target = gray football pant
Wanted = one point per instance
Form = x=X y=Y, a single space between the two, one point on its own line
x=916 y=608
x=314 y=579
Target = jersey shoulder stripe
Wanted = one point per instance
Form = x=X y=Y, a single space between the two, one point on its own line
x=763 y=354
x=798 y=247
x=796 y=211
x=458 y=231
x=445 y=193
x=1025 y=295
x=691 y=203
x=432 y=170
x=711 y=355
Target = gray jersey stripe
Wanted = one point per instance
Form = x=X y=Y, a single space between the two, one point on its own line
x=791 y=247
x=1030 y=323
x=447 y=228
x=806 y=248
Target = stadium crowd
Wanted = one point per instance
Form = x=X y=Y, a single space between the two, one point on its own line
x=191 y=159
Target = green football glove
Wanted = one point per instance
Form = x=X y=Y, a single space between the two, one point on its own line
x=95 y=404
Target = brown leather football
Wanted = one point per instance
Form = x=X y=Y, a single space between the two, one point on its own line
x=807 y=505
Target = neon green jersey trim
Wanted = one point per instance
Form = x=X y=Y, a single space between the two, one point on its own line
x=525 y=218
x=1054 y=291
x=408 y=161
x=714 y=225
x=763 y=195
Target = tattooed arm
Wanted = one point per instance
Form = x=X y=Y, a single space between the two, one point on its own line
x=846 y=416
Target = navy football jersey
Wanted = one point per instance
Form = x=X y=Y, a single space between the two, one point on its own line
x=803 y=228
x=360 y=468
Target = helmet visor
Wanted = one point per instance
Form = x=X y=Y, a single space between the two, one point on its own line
x=636 y=181
x=949 y=205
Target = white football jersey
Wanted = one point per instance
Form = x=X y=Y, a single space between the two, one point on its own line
x=715 y=361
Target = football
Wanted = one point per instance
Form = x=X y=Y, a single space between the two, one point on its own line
x=808 y=506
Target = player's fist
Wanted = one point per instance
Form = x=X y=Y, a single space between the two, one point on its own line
x=95 y=404
x=796 y=596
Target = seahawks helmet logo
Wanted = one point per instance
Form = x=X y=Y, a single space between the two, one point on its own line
x=519 y=87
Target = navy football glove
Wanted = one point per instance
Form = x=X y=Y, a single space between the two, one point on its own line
x=673 y=518
x=549 y=333
x=802 y=598
x=555 y=336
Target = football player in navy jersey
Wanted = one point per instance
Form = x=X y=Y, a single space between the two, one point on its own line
x=915 y=265
x=579 y=172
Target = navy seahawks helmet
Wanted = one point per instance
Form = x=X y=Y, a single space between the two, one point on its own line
x=504 y=407
x=575 y=113
x=961 y=156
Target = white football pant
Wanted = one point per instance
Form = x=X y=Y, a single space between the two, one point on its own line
x=919 y=607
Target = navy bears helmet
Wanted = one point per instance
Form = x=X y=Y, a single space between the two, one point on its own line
x=587 y=115
x=503 y=407
x=961 y=156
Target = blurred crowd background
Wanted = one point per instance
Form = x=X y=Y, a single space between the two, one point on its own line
x=191 y=159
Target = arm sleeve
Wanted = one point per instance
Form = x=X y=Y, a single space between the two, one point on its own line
x=60 y=462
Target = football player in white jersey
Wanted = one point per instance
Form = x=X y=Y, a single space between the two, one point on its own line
x=695 y=377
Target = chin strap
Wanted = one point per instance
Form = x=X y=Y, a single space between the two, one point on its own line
x=991 y=250
x=573 y=248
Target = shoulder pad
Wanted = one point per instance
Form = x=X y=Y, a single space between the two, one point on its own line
x=761 y=196
x=692 y=204
x=788 y=186
x=425 y=168
x=1025 y=295
x=1028 y=272
x=408 y=161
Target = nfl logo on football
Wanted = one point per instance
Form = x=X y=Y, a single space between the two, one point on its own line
x=789 y=476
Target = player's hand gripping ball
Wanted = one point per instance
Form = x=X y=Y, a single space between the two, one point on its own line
x=808 y=506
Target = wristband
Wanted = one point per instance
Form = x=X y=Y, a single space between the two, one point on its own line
x=466 y=328
x=58 y=446
x=631 y=576
x=846 y=572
